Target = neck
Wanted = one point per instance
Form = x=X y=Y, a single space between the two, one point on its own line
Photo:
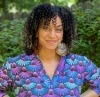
x=48 y=55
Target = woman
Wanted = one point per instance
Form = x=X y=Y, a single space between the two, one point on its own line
x=48 y=68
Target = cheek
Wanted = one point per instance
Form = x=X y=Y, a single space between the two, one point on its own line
x=41 y=38
x=61 y=36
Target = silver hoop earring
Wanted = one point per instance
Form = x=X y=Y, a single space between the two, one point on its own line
x=62 y=49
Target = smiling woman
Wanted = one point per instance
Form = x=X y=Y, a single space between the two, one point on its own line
x=48 y=68
x=49 y=19
x=51 y=36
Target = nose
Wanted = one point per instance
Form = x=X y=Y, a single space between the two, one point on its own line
x=52 y=33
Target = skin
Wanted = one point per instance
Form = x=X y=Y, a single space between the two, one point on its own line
x=6 y=96
x=49 y=39
x=89 y=93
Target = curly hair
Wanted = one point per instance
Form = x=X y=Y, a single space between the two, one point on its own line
x=43 y=14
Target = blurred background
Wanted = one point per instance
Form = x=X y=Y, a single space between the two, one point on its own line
x=13 y=14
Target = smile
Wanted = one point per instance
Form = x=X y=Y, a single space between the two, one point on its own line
x=51 y=41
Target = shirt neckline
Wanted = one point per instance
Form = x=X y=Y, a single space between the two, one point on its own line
x=59 y=68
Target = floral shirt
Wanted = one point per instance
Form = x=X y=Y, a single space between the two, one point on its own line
x=29 y=78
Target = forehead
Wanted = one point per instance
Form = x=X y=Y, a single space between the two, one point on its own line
x=55 y=21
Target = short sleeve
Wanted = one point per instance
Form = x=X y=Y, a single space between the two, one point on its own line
x=93 y=76
x=5 y=80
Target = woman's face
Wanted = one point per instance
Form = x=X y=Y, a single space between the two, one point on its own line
x=51 y=36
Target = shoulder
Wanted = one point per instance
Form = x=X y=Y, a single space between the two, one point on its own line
x=73 y=57
x=20 y=60
x=79 y=63
x=23 y=57
x=76 y=59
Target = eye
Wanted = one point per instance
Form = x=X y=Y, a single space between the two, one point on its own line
x=59 y=30
x=45 y=28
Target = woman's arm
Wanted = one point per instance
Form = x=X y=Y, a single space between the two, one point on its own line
x=89 y=93
x=93 y=78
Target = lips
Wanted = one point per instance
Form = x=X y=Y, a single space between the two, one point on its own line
x=51 y=41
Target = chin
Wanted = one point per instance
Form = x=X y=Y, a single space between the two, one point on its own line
x=51 y=48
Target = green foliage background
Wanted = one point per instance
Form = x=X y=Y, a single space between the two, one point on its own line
x=88 y=31
x=87 y=42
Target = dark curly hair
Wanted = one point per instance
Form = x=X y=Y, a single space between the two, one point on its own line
x=43 y=14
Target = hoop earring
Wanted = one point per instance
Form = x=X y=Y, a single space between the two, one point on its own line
x=62 y=49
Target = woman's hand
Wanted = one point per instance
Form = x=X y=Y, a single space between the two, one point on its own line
x=5 y=96
x=89 y=93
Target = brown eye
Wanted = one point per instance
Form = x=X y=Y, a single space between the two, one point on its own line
x=59 y=30
x=45 y=27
